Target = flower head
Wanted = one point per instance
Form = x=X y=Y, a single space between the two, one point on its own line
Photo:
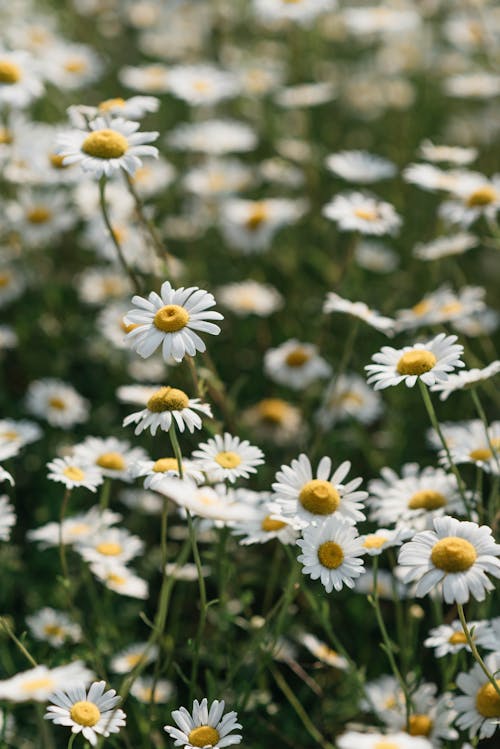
x=169 y=406
x=204 y=727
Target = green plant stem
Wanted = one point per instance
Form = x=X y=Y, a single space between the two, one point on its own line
x=172 y=433
x=104 y=210
x=62 y=545
x=435 y=423
x=71 y=741
x=146 y=222
x=10 y=632
x=482 y=416
x=105 y=494
x=475 y=652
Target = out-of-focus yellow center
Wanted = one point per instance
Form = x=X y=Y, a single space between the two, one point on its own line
x=74 y=473
x=374 y=542
x=259 y=213
x=109 y=549
x=319 y=497
x=482 y=196
x=75 y=65
x=162 y=465
x=33 y=685
x=39 y=215
x=457 y=638
x=366 y=214
x=105 y=144
x=297 y=357
x=112 y=461
x=109 y=104
x=9 y=72
x=416 y=362
x=453 y=554
x=228 y=459
x=57 y=161
x=269 y=525
x=6 y=137
x=53 y=630
x=419 y=725
x=272 y=410
x=482 y=453
x=426 y=499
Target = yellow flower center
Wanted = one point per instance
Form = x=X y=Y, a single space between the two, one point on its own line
x=57 y=161
x=9 y=72
x=258 y=214
x=426 y=499
x=373 y=541
x=367 y=214
x=79 y=528
x=488 y=701
x=109 y=104
x=457 y=638
x=6 y=137
x=269 y=525
x=482 y=453
x=416 y=362
x=482 y=196
x=112 y=577
x=53 y=630
x=228 y=459
x=57 y=403
x=452 y=308
x=109 y=549
x=74 y=473
x=201 y=86
x=134 y=658
x=75 y=65
x=272 y=410
x=421 y=307
x=85 y=713
x=162 y=465
x=128 y=327
x=4 y=280
x=8 y=435
x=171 y=318
x=453 y=554
x=105 y=144
x=112 y=461
x=319 y=497
x=33 y=685
x=167 y=399
x=203 y=736
x=39 y=215
x=330 y=555
x=420 y=725
x=386 y=745
x=297 y=357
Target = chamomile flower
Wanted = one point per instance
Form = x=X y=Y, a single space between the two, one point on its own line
x=452 y=154
x=205 y=726
x=472 y=444
x=375 y=256
x=250 y=298
x=72 y=473
x=110 y=145
x=169 y=406
x=250 y=225
x=456 y=554
x=360 y=167
x=479 y=706
x=374 y=740
x=147 y=689
x=487 y=634
x=23 y=431
x=473 y=197
x=466 y=379
x=57 y=402
x=93 y=713
x=214 y=137
x=40 y=217
x=120 y=579
x=274 y=420
x=228 y=458
x=330 y=553
x=448 y=639
x=134 y=108
x=12 y=284
x=431 y=717
x=442 y=305
x=298 y=495
x=54 y=627
x=357 y=211
x=305 y=94
x=202 y=84
x=151 y=78
x=264 y=526
x=39 y=683
x=455 y=244
x=131 y=656
x=348 y=397
x=384 y=538
x=218 y=177
x=429 y=362
x=335 y=303
x=112 y=457
x=295 y=364
x=171 y=320
x=322 y=652
x=300 y=11
x=116 y=545
x=167 y=467
x=74 y=529
x=7 y=517
x=20 y=82
x=212 y=503
x=72 y=66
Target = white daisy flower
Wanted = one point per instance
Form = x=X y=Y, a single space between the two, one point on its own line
x=169 y=406
x=54 y=627
x=57 y=402
x=376 y=19
x=429 y=177
x=112 y=457
x=429 y=362
x=479 y=706
x=481 y=323
x=148 y=689
x=300 y=11
x=335 y=303
x=202 y=84
x=465 y=380
x=298 y=495
x=212 y=503
x=473 y=85
x=470 y=443
x=375 y=256
x=40 y=217
x=250 y=225
x=136 y=394
x=23 y=431
x=474 y=196
x=186 y=572
x=99 y=285
x=20 y=82
x=7 y=517
x=116 y=545
x=374 y=740
x=487 y=634
x=228 y=458
x=204 y=727
x=75 y=528
x=452 y=154
x=330 y=553
x=274 y=420
x=357 y=211
x=218 y=177
x=12 y=284
x=8 y=338
x=110 y=145
x=431 y=718
x=9 y=449
x=156 y=470
x=384 y=697
x=171 y=320
x=360 y=167
x=448 y=639
x=144 y=501
x=134 y=108
x=120 y=579
x=349 y=397
x=442 y=305
x=457 y=554
x=214 y=137
x=322 y=652
x=304 y=95
x=93 y=713
x=384 y=538
x=455 y=244
x=39 y=683
x=131 y=656
x=72 y=473
x=265 y=526
x=72 y=66
x=152 y=78
x=250 y=297
x=388 y=585
x=295 y=364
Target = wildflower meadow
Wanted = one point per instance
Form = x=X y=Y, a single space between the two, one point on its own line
x=249 y=425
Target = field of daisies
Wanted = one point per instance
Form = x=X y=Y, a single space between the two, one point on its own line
x=249 y=426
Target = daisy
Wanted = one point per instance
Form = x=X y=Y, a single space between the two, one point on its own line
x=455 y=244
x=72 y=473
x=110 y=544
x=93 y=713
x=305 y=94
x=137 y=395
x=487 y=634
x=474 y=197
x=479 y=705
x=330 y=553
x=20 y=82
x=57 y=402
x=217 y=177
x=147 y=689
x=431 y=717
x=383 y=538
x=8 y=338
x=166 y=407
x=24 y=432
x=156 y=470
x=457 y=554
x=335 y=303
x=134 y=108
x=214 y=137
x=202 y=84
x=429 y=362
x=465 y=380
x=40 y=217
x=429 y=177
x=481 y=323
x=452 y=154
x=171 y=320
x=151 y=78
x=7 y=517
x=72 y=66
x=348 y=397
x=120 y=579
x=375 y=256
x=300 y=11
x=322 y=652
x=75 y=528
x=274 y=420
x=298 y=495
x=110 y=145
x=473 y=85
x=264 y=526
x=250 y=225
x=360 y=166
x=373 y=740
x=385 y=698
x=377 y=19
x=186 y=572
x=448 y=639
x=39 y=683
x=144 y=501
x=131 y=656
x=54 y=627
x=250 y=297
x=12 y=284
x=295 y=364
x=213 y=503
x=154 y=178
x=357 y=211
x=472 y=444
x=442 y=305
x=112 y=457
x=204 y=727
x=388 y=585
x=280 y=172
x=228 y=457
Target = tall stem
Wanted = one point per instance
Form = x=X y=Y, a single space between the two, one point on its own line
x=62 y=545
x=475 y=652
x=104 y=210
x=145 y=221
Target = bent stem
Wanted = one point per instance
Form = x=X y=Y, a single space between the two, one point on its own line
x=104 y=210
x=435 y=423
x=475 y=652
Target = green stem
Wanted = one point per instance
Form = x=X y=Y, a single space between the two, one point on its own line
x=105 y=494
x=71 y=740
x=62 y=545
x=172 y=433
x=10 y=632
x=203 y=606
x=145 y=221
x=482 y=416
x=474 y=649
x=104 y=210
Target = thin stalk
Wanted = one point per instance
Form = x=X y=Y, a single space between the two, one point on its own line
x=482 y=416
x=104 y=210
x=10 y=632
x=475 y=652
x=62 y=545
x=71 y=740
x=145 y=221
x=105 y=494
